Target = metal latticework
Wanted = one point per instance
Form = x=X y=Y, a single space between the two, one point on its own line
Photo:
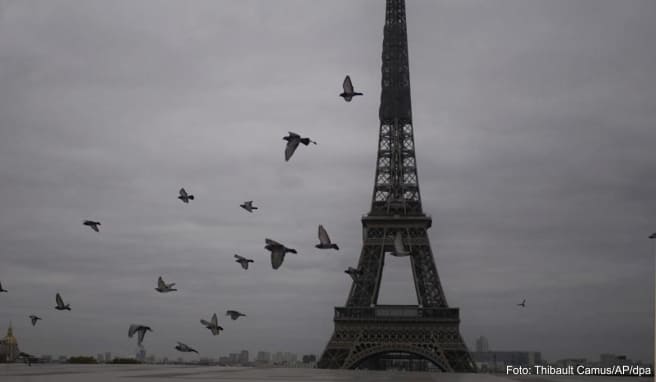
x=364 y=329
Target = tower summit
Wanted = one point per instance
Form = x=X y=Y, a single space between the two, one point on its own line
x=367 y=334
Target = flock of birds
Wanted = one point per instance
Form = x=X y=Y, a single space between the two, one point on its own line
x=278 y=250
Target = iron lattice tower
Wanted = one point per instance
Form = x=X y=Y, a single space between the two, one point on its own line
x=364 y=329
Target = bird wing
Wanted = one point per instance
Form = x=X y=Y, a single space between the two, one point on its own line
x=183 y=193
x=94 y=227
x=133 y=329
x=347 y=85
x=292 y=144
x=293 y=135
x=323 y=235
x=239 y=258
x=160 y=283
x=277 y=256
x=215 y=330
x=142 y=333
x=59 y=300
x=207 y=324
x=215 y=321
x=399 y=248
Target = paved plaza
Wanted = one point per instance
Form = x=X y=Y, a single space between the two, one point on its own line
x=145 y=373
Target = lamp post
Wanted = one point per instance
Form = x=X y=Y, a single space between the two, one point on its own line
x=653 y=250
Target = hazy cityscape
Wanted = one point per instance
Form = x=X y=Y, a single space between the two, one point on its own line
x=188 y=190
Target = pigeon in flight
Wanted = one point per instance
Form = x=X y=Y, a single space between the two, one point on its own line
x=243 y=261
x=3 y=290
x=213 y=325
x=234 y=314
x=278 y=252
x=293 y=141
x=163 y=287
x=94 y=225
x=523 y=304
x=652 y=236
x=184 y=196
x=248 y=205
x=34 y=319
x=348 y=93
x=324 y=240
x=60 y=303
x=185 y=348
x=141 y=329
x=399 y=247
x=354 y=273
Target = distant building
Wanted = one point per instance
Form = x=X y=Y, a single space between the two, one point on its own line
x=498 y=360
x=263 y=357
x=224 y=361
x=243 y=357
x=482 y=345
x=9 y=347
x=278 y=358
x=100 y=358
x=62 y=359
x=607 y=360
x=47 y=358
x=108 y=357
x=290 y=358
x=574 y=362
x=234 y=358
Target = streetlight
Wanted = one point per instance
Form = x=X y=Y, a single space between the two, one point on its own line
x=653 y=249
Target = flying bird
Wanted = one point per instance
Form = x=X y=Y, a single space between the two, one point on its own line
x=185 y=348
x=354 y=273
x=652 y=236
x=243 y=261
x=248 y=205
x=278 y=252
x=184 y=196
x=293 y=141
x=523 y=304
x=324 y=240
x=399 y=247
x=163 y=287
x=348 y=93
x=234 y=314
x=60 y=303
x=141 y=329
x=213 y=325
x=34 y=319
x=3 y=290
x=94 y=225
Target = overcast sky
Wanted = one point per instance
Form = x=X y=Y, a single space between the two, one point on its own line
x=535 y=138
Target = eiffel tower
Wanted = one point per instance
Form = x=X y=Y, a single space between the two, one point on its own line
x=396 y=225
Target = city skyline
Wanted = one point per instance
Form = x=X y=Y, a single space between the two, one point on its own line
x=534 y=133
